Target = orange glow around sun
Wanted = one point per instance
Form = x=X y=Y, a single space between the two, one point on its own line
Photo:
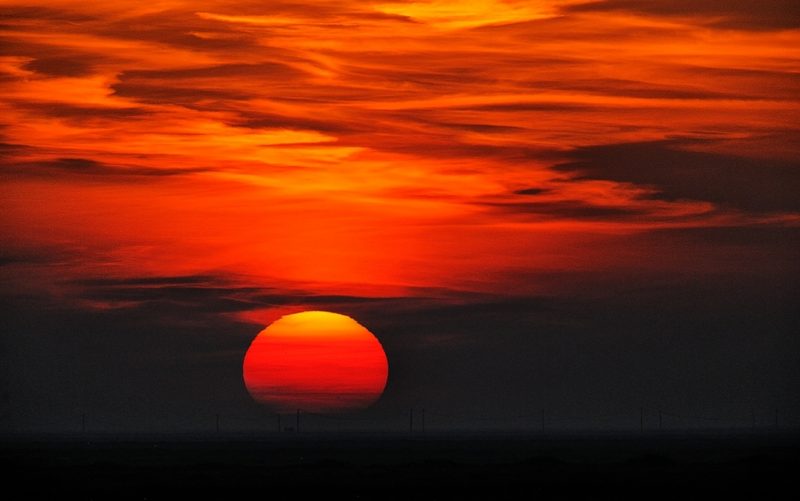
x=315 y=361
x=424 y=149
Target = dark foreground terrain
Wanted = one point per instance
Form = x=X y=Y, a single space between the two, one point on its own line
x=404 y=467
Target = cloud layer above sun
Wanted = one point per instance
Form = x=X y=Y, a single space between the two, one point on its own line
x=393 y=148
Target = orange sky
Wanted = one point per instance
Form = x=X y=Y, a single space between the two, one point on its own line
x=388 y=148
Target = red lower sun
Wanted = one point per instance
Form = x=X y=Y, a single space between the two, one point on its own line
x=315 y=361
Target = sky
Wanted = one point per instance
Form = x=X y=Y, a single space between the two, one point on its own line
x=583 y=206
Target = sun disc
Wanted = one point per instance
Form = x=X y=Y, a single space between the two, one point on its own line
x=315 y=361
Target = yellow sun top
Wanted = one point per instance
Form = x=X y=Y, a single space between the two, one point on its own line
x=316 y=324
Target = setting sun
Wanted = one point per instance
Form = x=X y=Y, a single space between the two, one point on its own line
x=582 y=206
x=315 y=361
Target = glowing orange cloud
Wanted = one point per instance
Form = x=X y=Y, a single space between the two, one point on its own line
x=393 y=147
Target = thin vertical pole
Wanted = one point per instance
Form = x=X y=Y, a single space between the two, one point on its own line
x=297 y=421
x=411 y=420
